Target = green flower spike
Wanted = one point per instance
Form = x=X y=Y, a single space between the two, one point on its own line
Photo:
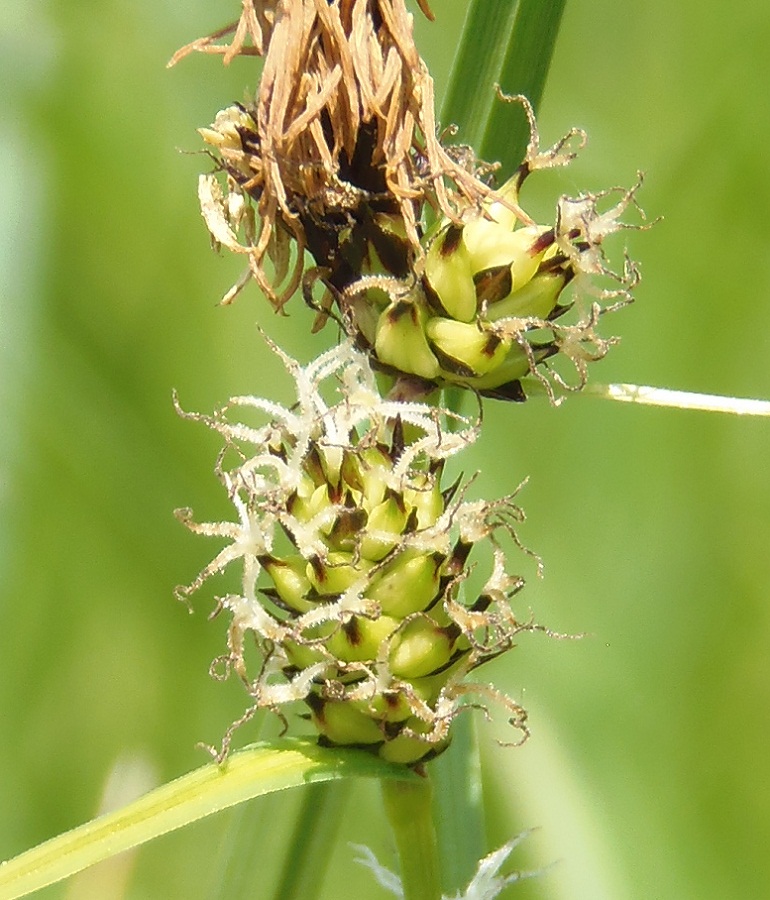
x=485 y=308
x=353 y=556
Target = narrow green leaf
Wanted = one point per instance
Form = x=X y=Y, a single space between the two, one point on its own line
x=524 y=70
x=507 y=43
x=310 y=849
x=259 y=769
x=476 y=68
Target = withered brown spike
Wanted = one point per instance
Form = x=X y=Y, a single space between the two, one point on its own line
x=448 y=493
x=396 y=497
x=316 y=703
x=460 y=553
x=350 y=471
x=446 y=584
x=347 y=525
x=411 y=522
x=393 y=251
x=403 y=308
x=482 y=603
x=392 y=729
x=452 y=631
x=438 y=559
x=318 y=567
x=557 y=261
x=436 y=468
x=313 y=466
x=434 y=301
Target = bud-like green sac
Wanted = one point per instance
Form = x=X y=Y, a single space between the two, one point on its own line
x=449 y=270
x=355 y=557
x=408 y=583
x=420 y=648
x=467 y=349
x=400 y=341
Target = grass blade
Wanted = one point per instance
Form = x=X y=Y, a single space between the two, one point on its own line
x=257 y=770
x=477 y=66
x=510 y=44
x=524 y=71
x=315 y=834
x=458 y=807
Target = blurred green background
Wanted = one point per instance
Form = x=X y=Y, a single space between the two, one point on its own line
x=649 y=767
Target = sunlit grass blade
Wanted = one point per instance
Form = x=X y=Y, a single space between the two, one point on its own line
x=646 y=395
x=507 y=43
x=257 y=770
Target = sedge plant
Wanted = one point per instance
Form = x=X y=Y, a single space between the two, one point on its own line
x=357 y=620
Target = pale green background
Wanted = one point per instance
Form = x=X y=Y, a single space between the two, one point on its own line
x=649 y=768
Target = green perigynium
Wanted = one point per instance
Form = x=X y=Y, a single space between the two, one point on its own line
x=354 y=557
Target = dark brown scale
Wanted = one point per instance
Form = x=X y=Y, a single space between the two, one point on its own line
x=543 y=242
x=400 y=309
x=493 y=284
x=350 y=471
x=313 y=466
x=448 y=493
x=397 y=441
x=352 y=631
x=511 y=391
x=491 y=344
x=396 y=497
x=411 y=522
x=451 y=242
x=346 y=527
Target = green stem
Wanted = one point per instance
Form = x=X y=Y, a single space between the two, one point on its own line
x=459 y=806
x=310 y=848
x=410 y=812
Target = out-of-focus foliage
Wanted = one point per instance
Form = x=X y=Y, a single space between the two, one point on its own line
x=648 y=767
